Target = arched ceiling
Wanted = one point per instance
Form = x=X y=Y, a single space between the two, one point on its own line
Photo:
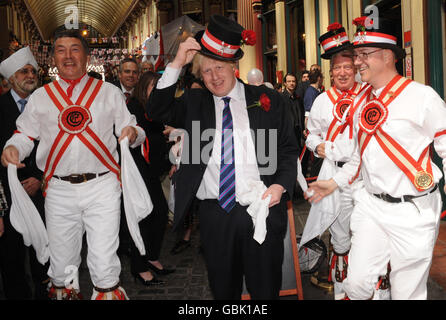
x=106 y=16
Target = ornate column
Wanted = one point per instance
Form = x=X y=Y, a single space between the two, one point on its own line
x=257 y=11
x=310 y=33
x=353 y=11
x=324 y=21
x=418 y=25
x=281 y=38
x=245 y=18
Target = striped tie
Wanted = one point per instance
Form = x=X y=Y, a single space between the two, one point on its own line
x=227 y=166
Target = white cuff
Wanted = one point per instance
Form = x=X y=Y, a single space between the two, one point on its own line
x=22 y=143
x=169 y=77
x=342 y=180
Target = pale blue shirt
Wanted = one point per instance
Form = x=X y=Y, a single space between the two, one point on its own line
x=16 y=98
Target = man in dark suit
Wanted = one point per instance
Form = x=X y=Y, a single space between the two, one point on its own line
x=128 y=77
x=289 y=93
x=221 y=173
x=21 y=71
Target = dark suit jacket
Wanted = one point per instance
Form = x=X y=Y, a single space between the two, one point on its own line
x=198 y=105
x=158 y=150
x=9 y=113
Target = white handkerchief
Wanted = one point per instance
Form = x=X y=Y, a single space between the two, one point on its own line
x=258 y=209
x=137 y=201
x=300 y=177
x=26 y=219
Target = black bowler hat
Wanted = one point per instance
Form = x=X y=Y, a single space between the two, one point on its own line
x=377 y=34
x=223 y=38
x=334 y=41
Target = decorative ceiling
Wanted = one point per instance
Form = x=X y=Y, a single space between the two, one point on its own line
x=106 y=16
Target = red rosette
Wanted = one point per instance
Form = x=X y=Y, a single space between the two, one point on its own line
x=372 y=117
x=74 y=119
x=249 y=37
x=341 y=107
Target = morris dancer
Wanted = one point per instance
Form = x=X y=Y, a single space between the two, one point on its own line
x=397 y=211
x=74 y=120
x=330 y=138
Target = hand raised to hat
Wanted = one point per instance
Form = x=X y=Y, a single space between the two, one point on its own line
x=10 y=155
x=186 y=52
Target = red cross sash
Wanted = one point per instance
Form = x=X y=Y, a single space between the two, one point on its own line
x=373 y=116
x=341 y=104
x=74 y=120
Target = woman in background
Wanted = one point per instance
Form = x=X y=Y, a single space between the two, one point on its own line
x=151 y=162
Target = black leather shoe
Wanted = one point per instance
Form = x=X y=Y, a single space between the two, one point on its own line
x=180 y=246
x=148 y=283
x=161 y=272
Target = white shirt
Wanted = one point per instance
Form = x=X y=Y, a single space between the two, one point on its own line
x=415 y=117
x=124 y=90
x=246 y=168
x=40 y=121
x=319 y=120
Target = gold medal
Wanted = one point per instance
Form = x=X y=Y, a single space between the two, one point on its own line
x=423 y=180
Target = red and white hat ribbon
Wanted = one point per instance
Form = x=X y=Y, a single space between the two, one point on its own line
x=217 y=46
x=373 y=37
x=335 y=41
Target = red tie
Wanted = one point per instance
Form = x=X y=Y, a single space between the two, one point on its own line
x=72 y=84
x=127 y=97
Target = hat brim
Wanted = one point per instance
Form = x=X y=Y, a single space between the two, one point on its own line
x=327 y=55
x=204 y=51
x=399 y=52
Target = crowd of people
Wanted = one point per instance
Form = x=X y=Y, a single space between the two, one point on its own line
x=366 y=145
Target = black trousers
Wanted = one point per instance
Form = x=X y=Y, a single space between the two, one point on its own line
x=231 y=252
x=152 y=228
x=12 y=264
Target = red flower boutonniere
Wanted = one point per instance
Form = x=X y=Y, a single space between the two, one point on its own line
x=248 y=37
x=360 y=23
x=335 y=26
x=264 y=103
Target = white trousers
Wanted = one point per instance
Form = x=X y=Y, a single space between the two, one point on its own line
x=397 y=232
x=72 y=209
x=340 y=235
x=340 y=228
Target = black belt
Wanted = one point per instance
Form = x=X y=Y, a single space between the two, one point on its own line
x=387 y=198
x=82 y=177
x=340 y=164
